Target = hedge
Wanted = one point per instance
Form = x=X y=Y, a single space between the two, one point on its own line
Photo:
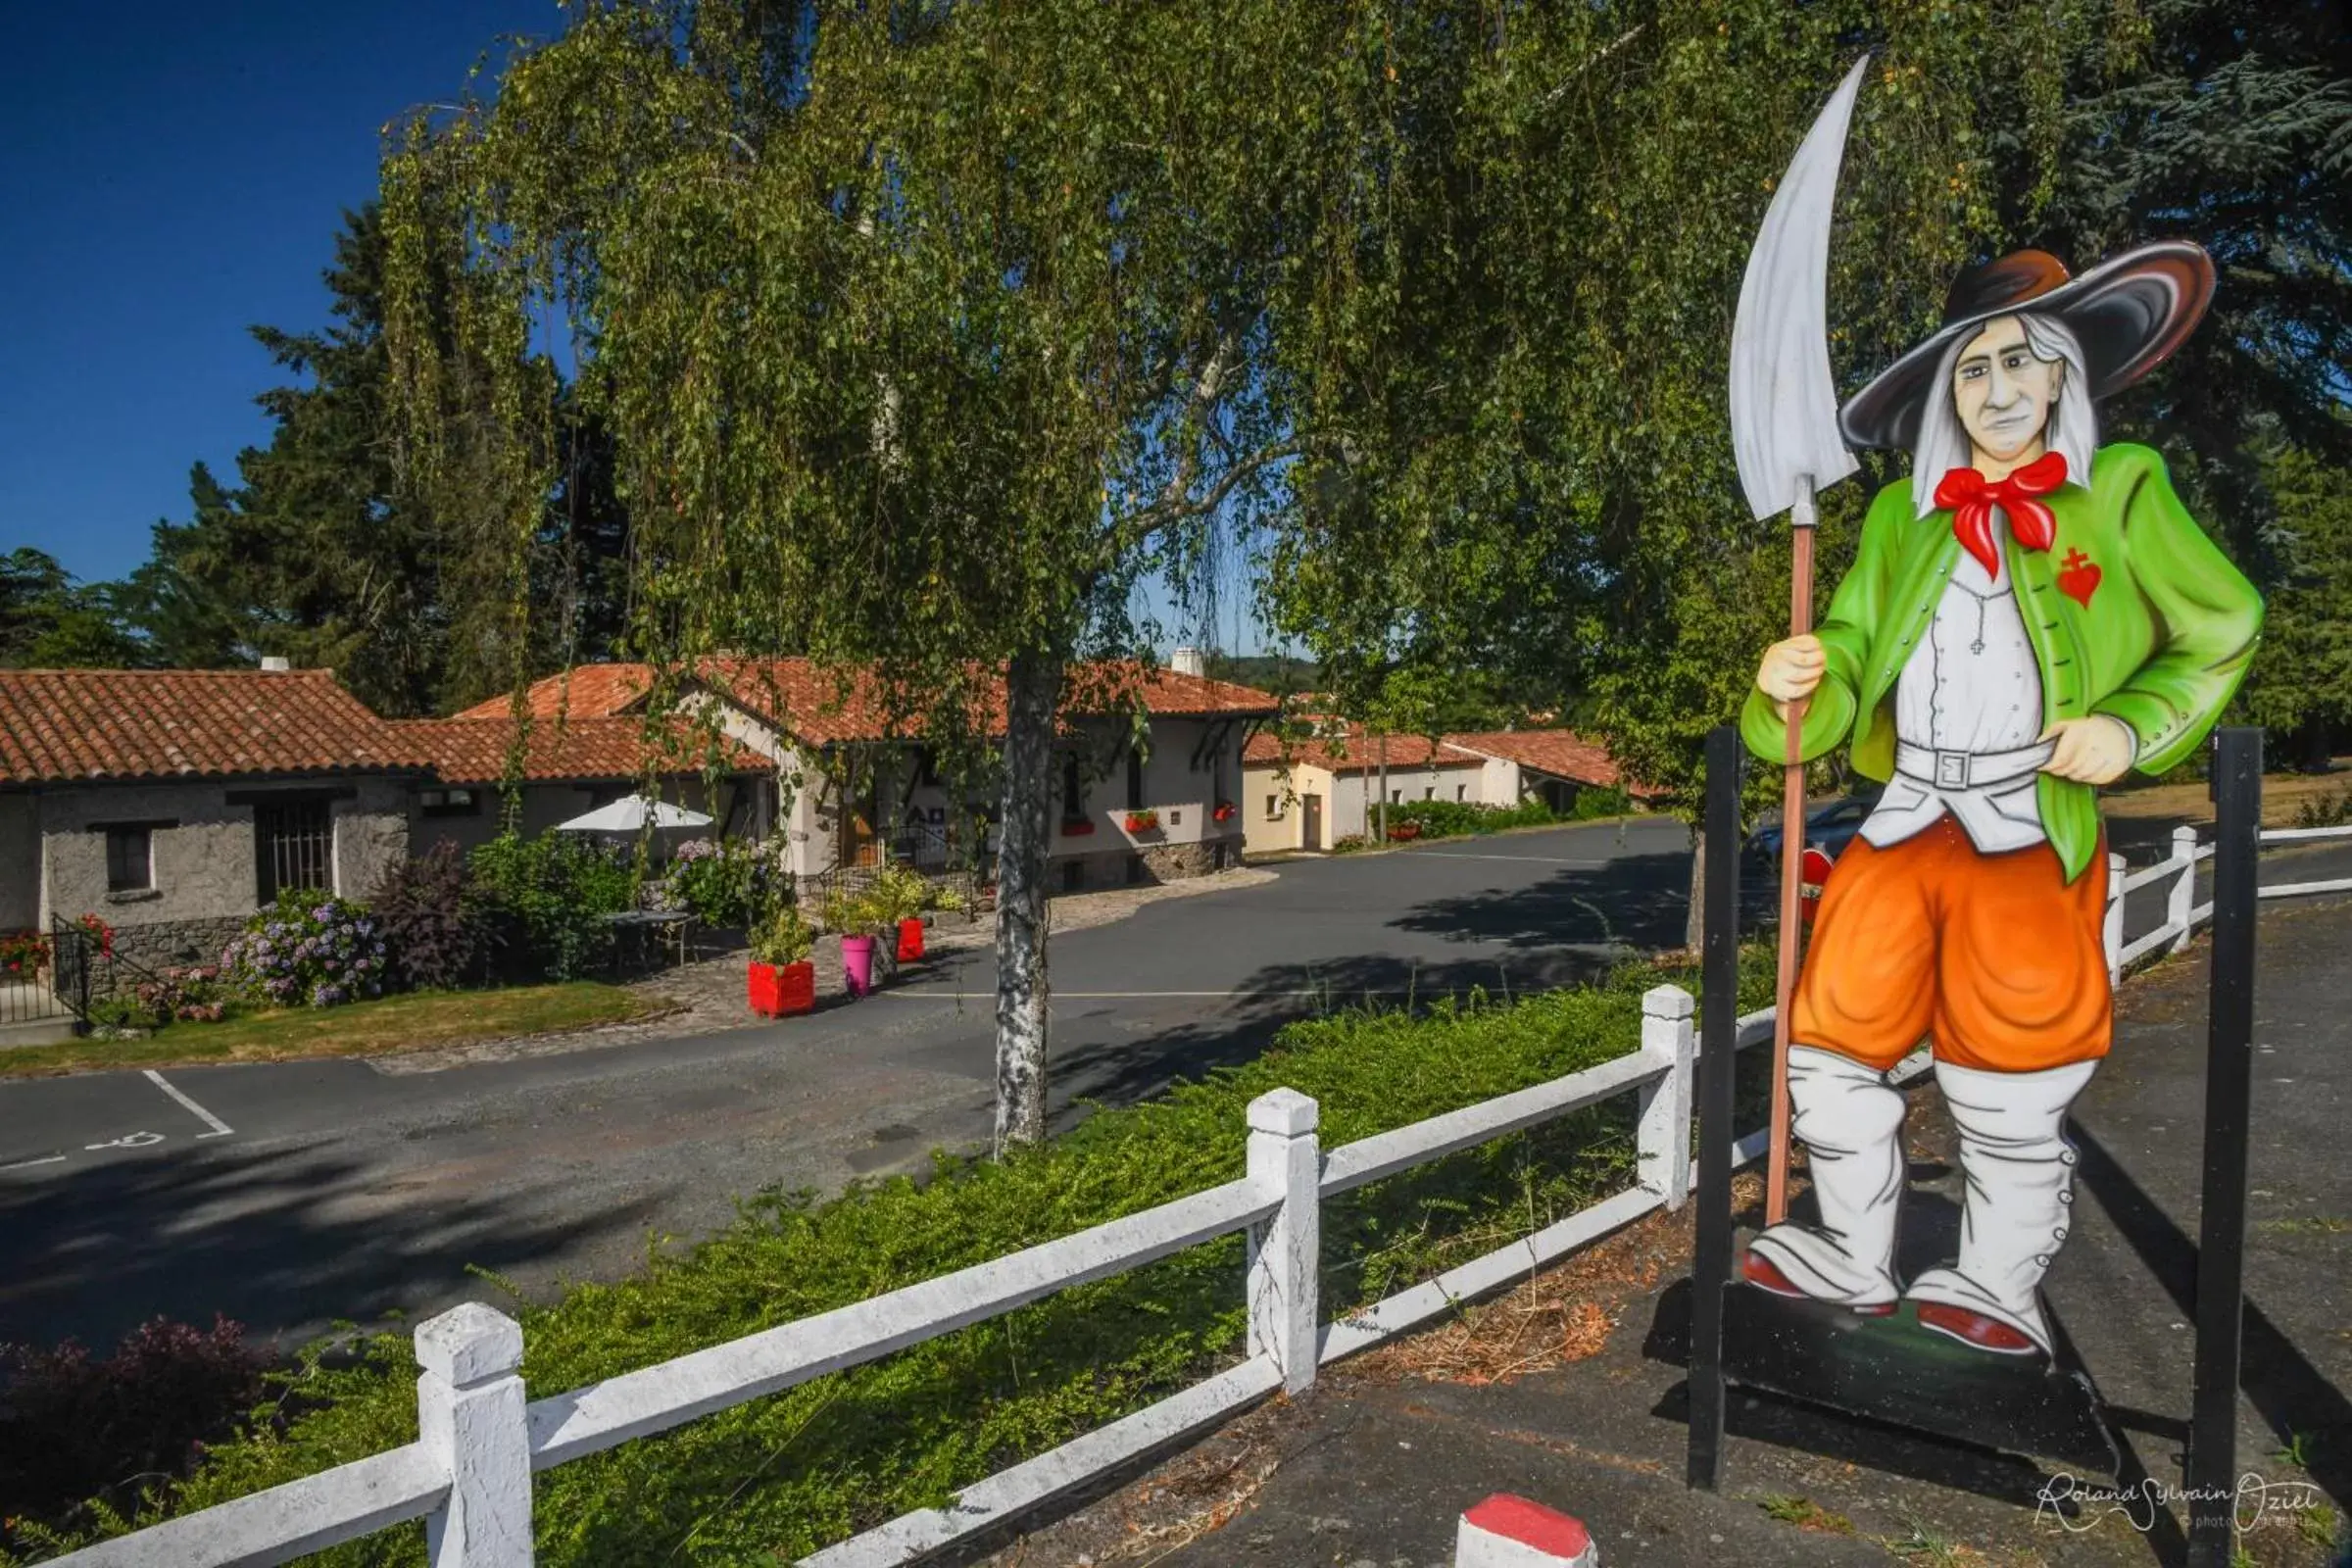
x=782 y=1476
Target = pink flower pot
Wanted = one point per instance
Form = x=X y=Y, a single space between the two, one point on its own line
x=857 y=964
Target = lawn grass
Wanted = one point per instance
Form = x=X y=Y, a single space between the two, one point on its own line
x=410 y=1021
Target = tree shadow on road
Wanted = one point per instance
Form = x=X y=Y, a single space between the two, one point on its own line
x=283 y=1241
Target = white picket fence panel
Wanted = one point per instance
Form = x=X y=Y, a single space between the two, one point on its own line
x=2182 y=914
x=469 y=1474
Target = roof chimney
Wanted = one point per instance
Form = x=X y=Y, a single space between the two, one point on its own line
x=1189 y=662
x=277 y=664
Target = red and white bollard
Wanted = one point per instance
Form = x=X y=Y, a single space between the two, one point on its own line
x=1507 y=1531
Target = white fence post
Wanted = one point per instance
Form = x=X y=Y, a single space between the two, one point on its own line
x=470 y=1413
x=2183 y=898
x=1286 y=1248
x=1662 y=1140
x=2113 y=933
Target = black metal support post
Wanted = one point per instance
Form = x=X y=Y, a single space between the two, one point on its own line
x=2229 y=1088
x=1719 y=1043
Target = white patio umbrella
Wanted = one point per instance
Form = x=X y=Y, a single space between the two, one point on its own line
x=629 y=815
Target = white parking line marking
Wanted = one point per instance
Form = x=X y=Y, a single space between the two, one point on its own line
x=141 y=1140
x=220 y=1128
x=24 y=1165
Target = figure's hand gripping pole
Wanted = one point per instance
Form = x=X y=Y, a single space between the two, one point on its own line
x=1792 y=854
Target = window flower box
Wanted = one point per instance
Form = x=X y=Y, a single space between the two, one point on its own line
x=1223 y=811
x=1143 y=821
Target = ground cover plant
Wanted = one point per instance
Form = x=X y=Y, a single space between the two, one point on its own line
x=782 y=1476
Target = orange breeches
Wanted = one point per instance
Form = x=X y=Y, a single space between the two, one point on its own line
x=1996 y=957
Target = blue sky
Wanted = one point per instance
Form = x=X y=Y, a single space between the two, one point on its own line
x=174 y=173
x=171 y=174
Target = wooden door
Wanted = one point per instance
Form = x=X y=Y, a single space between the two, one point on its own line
x=1310 y=826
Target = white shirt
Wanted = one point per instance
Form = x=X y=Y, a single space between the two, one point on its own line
x=1971 y=686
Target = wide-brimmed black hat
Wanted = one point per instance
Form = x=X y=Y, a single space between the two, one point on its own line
x=2129 y=313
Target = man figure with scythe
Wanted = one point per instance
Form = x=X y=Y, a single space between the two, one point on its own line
x=2028 y=616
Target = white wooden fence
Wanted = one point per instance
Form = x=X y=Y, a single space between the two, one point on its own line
x=469 y=1475
x=2182 y=914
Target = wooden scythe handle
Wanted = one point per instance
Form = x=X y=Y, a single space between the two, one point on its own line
x=1792 y=854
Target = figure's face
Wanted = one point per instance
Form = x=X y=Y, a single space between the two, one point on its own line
x=2003 y=392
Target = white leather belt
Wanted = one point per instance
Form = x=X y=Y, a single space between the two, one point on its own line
x=1967 y=770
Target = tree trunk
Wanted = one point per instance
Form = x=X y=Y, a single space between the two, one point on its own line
x=1695 y=924
x=1032 y=689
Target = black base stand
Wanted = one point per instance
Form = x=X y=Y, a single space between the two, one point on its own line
x=1892 y=1370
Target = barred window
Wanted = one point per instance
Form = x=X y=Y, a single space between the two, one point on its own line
x=293 y=847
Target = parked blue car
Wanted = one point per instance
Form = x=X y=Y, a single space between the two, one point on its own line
x=1830 y=828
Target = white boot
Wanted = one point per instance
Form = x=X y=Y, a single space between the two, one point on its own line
x=2020 y=1170
x=1850 y=1120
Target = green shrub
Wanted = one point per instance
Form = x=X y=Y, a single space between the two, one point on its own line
x=781 y=937
x=722 y=882
x=779 y=1477
x=1442 y=819
x=551 y=894
x=1598 y=802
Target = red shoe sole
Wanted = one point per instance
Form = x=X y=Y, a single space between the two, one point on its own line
x=1974 y=1330
x=1761 y=1273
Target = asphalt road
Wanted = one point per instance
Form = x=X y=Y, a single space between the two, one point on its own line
x=292 y=1194
x=289 y=1196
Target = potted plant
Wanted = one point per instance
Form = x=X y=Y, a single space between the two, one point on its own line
x=783 y=981
x=1143 y=821
x=1403 y=832
x=1223 y=811
x=857 y=919
x=900 y=894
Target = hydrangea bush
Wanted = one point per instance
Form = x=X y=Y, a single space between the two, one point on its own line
x=310 y=948
x=723 y=882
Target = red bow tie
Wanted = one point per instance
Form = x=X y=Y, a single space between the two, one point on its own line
x=1972 y=497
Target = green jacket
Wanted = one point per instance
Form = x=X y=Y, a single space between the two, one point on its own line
x=2132 y=612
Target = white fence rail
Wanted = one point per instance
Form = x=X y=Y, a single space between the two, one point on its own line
x=469 y=1474
x=2182 y=914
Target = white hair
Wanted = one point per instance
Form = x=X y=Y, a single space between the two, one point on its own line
x=2072 y=431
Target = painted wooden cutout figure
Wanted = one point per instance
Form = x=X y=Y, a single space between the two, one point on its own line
x=2028 y=616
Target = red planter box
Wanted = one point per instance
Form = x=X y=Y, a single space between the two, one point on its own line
x=910 y=941
x=780 y=990
x=1077 y=827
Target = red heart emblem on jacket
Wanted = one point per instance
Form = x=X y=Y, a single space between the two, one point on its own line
x=2078 y=577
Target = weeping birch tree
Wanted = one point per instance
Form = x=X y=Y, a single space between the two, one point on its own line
x=924 y=333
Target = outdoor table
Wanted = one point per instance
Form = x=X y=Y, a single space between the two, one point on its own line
x=652 y=930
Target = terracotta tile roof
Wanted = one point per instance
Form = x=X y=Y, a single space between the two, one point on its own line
x=1563 y=754
x=822 y=708
x=1355 y=753
x=589 y=691
x=474 y=750
x=67 y=724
